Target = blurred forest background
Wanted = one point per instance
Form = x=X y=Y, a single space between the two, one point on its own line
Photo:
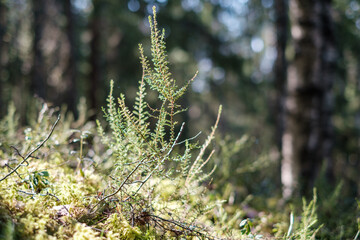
x=286 y=72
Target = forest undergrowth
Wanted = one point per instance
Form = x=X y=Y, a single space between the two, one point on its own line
x=133 y=176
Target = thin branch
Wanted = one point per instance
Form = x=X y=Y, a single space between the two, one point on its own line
x=190 y=139
x=17 y=151
x=28 y=193
x=15 y=171
x=32 y=151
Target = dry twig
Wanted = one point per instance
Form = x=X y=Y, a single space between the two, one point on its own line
x=25 y=159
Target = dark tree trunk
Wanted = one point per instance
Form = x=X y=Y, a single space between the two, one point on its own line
x=95 y=55
x=308 y=135
x=329 y=68
x=280 y=66
x=70 y=94
x=38 y=85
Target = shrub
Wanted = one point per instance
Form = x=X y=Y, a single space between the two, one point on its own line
x=146 y=145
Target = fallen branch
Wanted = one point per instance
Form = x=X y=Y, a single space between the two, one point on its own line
x=32 y=151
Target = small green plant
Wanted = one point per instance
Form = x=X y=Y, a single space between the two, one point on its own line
x=37 y=181
x=308 y=227
x=145 y=141
x=245 y=226
x=83 y=136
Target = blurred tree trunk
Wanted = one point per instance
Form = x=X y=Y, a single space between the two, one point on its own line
x=70 y=94
x=95 y=55
x=54 y=51
x=281 y=25
x=3 y=20
x=38 y=86
x=329 y=69
x=307 y=139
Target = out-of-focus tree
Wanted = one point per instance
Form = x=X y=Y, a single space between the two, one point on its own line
x=38 y=83
x=18 y=56
x=53 y=72
x=95 y=53
x=307 y=139
x=280 y=65
x=329 y=70
x=70 y=72
x=347 y=95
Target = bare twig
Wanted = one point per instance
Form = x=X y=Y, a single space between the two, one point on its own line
x=15 y=171
x=32 y=151
x=189 y=139
x=28 y=193
x=18 y=153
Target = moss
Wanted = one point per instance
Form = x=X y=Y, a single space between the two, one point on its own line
x=119 y=228
x=83 y=232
